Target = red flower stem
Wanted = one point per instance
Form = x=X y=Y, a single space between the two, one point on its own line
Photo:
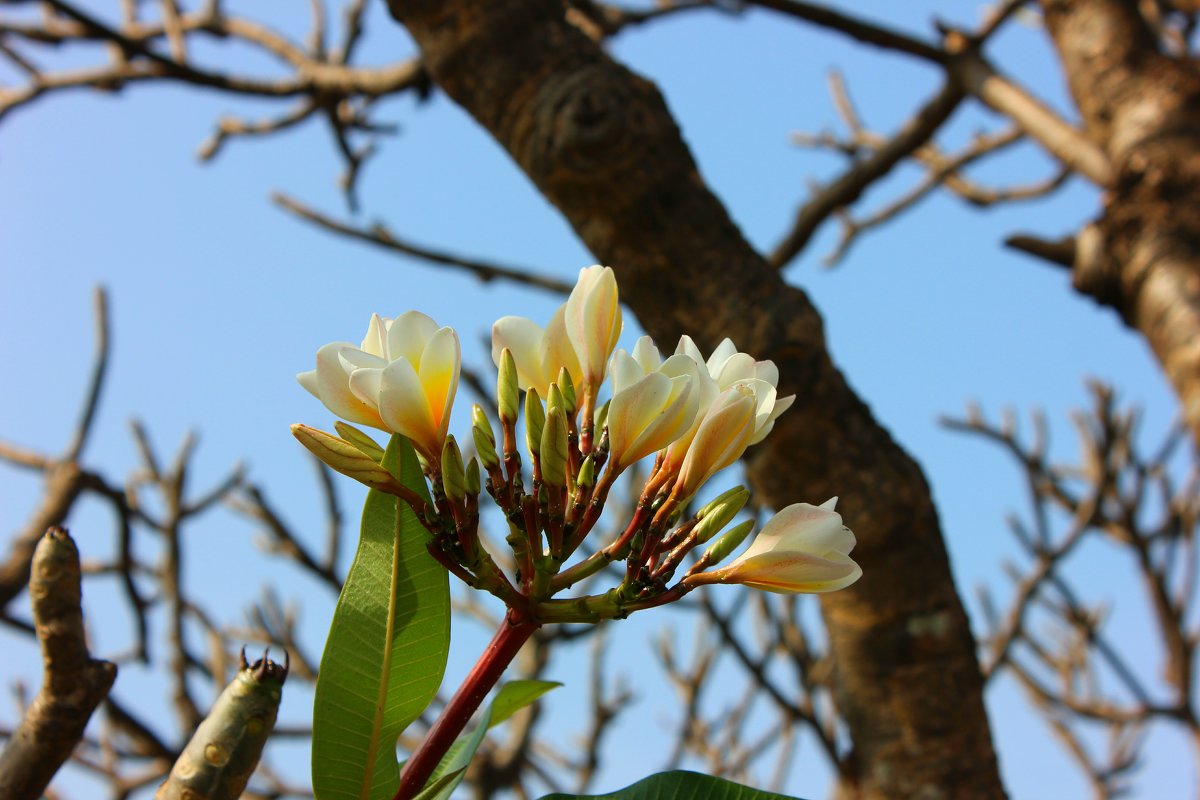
x=503 y=648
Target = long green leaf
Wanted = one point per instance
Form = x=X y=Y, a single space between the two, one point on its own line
x=515 y=695
x=512 y=697
x=678 y=785
x=387 y=646
x=453 y=766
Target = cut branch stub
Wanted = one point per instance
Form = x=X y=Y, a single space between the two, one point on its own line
x=223 y=753
x=73 y=683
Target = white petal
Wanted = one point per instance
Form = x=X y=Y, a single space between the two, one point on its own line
x=440 y=365
x=725 y=350
x=632 y=410
x=352 y=359
x=375 y=342
x=767 y=371
x=403 y=406
x=524 y=338
x=309 y=381
x=556 y=350
x=593 y=320
x=646 y=354
x=804 y=527
x=782 y=404
x=789 y=572
x=674 y=419
x=738 y=367
x=333 y=386
x=764 y=400
x=408 y=334
x=625 y=372
x=680 y=364
x=366 y=383
x=688 y=348
x=722 y=437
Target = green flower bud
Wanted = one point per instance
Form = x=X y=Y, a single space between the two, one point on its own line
x=554 y=448
x=602 y=418
x=454 y=478
x=729 y=542
x=507 y=391
x=365 y=444
x=344 y=457
x=567 y=387
x=554 y=399
x=717 y=514
x=485 y=440
x=587 y=472
x=473 y=482
x=535 y=420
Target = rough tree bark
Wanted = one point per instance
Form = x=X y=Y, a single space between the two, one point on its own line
x=600 y=144
x=1142 y=107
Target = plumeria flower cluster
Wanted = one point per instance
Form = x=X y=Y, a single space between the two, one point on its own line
x=693 y=415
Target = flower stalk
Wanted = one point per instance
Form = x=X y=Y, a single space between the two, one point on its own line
x=513 y=632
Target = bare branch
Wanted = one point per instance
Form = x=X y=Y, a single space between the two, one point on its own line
x=1110 y=493
x=380 y=236
x=96 y=381
x=847 y=188
x=977 y=76
x=1060 y=252
x=859 y=29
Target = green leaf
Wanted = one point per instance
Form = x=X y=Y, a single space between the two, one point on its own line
x=678 y=785
x=387 y=645
x=512 y=697
x=515 y=695
x=436 y=785
x=453 y=766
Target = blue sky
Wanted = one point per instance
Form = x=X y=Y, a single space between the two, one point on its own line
x=219 y=298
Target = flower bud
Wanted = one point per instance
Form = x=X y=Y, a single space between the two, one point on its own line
x=728 y=542
x=567 y=387
x=485 y=441
x=343 y=457
x=507 y=390
x=366 y=445
x=602 y=417
x=592 y=319
x=535 y=420
x=473 y=481
x=554 y=448
x=587 y=472
x=554 y=399
x=717 y=514
x=454 y=479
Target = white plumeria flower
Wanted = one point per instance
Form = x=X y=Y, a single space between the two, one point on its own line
x=593 y=323
x=803 y=548
x=738 y=407
x=653 y=403
x=402 y=379
x=727 y=366
x=538 y=353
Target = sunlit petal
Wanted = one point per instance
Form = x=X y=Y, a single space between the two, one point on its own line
x=407 y=336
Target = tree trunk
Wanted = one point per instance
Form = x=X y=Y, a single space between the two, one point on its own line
x=600 y=144
x=1143 y=108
